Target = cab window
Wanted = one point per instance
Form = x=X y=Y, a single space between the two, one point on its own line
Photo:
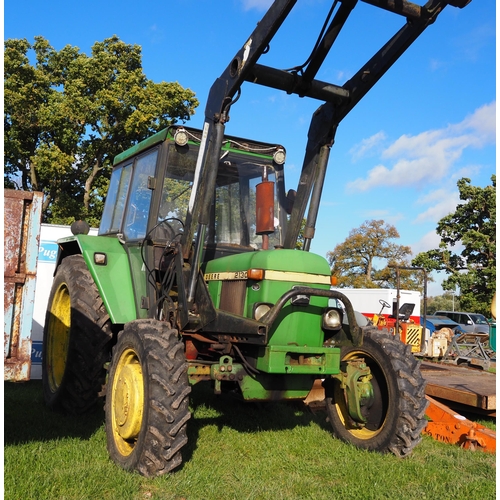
x=126 y=209
x=115 y=200
x=137 y=213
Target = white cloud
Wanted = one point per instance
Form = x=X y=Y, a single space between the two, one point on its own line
x=436 y=195
x=366 y=145
x=257 y=4
x=388 y=216
x=442 y=201
x=444 y=206
x=156 y=34
x=436 y=64
x=376 y=214
x=483 y=121
x=428 y=241
x=429 y=156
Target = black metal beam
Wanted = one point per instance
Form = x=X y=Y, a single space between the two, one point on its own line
x=408 y=9
x=369 y=74
x=321 y=51
x=228 y=84
x=293 y=83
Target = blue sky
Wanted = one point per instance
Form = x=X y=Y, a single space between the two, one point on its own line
x=397 y=156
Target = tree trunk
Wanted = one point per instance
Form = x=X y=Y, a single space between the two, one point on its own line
x=88 y=184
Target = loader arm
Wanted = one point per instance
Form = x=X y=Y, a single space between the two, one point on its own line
x=338 y=101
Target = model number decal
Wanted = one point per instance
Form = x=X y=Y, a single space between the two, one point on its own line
x=293 y=277
x=232 y=275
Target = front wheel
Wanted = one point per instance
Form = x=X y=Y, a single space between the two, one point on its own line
x=395 y=415
x=147 y=399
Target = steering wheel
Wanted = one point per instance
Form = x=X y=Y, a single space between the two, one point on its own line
x=384 y=304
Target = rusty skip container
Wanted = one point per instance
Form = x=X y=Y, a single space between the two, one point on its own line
x=22 y=221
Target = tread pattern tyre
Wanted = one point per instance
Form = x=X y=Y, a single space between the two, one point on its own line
x=76 y=340
x=147 y=400
x=396 y=417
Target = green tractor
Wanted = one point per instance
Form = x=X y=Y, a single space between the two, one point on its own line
x=195 y=277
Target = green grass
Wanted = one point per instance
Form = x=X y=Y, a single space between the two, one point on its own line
x=235 y=451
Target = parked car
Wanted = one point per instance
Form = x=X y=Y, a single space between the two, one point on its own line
x=470 y=322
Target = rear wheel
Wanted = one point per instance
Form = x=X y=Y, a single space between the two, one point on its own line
x=147 y=399
x=395 y=415
x=76 y=340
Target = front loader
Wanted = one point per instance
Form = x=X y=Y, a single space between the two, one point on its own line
x=195 y=276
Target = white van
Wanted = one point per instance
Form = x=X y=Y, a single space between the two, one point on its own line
x=469 y=322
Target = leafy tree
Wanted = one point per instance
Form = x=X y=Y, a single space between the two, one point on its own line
x=471 y=265
x=353 y=261
x=68 y=114
x=445 y=302
x=299 y=245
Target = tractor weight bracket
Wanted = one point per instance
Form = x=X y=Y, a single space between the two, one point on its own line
x=226 y=370
x=355 y=379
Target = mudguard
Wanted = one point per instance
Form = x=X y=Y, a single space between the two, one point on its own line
x=113 y=278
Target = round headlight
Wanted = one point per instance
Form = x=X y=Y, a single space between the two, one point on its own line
x=332 y=319
x=279 y=156
x=181 y=137
x=260 y=310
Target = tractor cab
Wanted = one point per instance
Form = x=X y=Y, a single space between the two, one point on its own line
x=151 y=194
x=153 y=208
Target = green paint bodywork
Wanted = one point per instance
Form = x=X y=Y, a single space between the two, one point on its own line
x=265 y=387
x=256 y=387
x=113 y=279
x=296 y=337
x=299 y=360
x=142 y=146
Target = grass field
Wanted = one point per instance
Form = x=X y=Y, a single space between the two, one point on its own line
x=235 y=451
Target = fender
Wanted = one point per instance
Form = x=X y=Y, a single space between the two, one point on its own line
x=113 y=278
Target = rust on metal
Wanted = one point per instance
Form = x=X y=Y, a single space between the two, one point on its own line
x=315 y=400
x=22 y=216
x=448 y=426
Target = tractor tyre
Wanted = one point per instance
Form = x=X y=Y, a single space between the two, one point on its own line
x=76 y=340
x=147 y=399
x=396 y=416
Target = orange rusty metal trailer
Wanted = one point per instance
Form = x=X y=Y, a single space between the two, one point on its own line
x=450 y=427
x=22 y=220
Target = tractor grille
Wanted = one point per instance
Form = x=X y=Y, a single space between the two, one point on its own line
x=232 y=296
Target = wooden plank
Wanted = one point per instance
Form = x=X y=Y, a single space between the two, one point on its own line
x=463 y=385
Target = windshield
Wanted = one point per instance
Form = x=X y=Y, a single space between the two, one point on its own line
x=478 y=319
x=233 y=211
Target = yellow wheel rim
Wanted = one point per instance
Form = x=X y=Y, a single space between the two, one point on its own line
x=58 y=333
x=127 y=401
x=340 y=407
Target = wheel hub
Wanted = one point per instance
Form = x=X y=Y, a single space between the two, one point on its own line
x=58 y=336
x=128 y=399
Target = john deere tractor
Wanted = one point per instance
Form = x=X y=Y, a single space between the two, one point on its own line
x=195 y=276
